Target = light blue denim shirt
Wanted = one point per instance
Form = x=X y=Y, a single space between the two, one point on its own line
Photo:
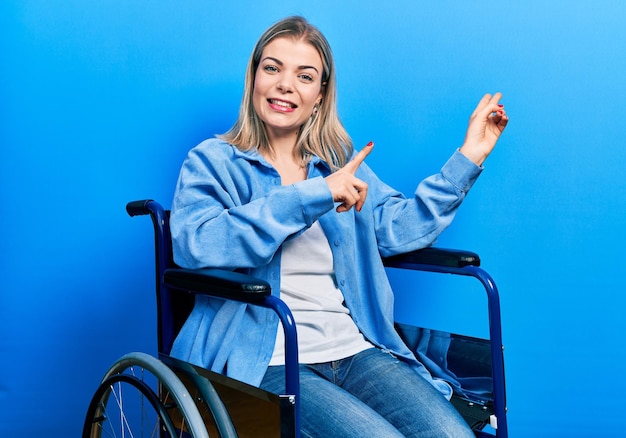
x=231 y=211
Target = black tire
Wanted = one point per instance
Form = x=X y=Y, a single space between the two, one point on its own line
x=126 y=405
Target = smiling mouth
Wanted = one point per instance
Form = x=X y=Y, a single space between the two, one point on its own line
x=282 y=104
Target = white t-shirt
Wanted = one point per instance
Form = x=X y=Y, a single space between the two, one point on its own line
x=326 y=331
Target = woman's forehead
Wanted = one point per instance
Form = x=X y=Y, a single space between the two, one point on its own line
x=293 y=51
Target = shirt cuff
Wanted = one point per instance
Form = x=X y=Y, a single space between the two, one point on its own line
x=461 y=171
x=315 y=198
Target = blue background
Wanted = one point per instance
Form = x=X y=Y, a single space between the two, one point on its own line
x=100 y=101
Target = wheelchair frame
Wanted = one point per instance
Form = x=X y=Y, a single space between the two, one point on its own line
x=240 y=287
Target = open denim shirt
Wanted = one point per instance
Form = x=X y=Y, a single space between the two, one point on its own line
x=230 y=211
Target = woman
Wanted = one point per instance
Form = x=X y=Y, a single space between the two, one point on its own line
x=282 y=196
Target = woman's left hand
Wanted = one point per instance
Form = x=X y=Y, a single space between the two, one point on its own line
x=485 y=126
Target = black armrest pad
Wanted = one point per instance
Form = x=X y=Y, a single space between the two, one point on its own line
x=218 y=283
x=433 y=256
x=138 y=208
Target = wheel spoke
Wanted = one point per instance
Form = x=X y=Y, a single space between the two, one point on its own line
x=125 y=404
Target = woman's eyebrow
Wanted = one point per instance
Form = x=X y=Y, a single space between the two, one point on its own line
x=279 y=62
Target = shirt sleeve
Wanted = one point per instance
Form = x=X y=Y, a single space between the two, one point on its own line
x=230 y=212
x=406 y=224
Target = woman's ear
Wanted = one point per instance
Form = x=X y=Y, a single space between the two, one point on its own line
x=322 y=92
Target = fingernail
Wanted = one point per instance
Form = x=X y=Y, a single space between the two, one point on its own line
x=500 y=105
x=371 y=143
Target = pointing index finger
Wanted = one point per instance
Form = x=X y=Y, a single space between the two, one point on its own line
x=354 y=164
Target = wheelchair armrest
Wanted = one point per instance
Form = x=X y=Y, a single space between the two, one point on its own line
x=433 y=256
x=218 y=283
x=138 y=208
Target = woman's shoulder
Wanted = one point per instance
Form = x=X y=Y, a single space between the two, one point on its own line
x=217 y=148
x=214 y=147
x=220 y=159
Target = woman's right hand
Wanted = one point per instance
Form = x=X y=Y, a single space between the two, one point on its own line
x=345 y=187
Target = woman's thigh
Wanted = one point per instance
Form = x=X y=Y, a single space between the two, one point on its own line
x=400 y=395
x=329 y=411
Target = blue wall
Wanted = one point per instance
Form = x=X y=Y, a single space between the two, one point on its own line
x=99 y=102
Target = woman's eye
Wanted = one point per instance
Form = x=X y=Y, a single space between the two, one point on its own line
x=270 y=68
x=306 y=77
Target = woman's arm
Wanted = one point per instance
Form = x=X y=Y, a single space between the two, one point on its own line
x=231 y=213
x=405 y=224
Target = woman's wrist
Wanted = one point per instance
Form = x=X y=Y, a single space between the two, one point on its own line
x=476 y=156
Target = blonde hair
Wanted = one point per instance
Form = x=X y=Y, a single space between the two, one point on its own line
x=322 y=134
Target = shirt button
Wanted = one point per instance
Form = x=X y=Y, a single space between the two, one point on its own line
x=342 y=282
x=336 y=243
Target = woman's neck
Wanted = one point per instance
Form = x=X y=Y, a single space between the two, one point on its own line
x=281 y=155
x=282 y=143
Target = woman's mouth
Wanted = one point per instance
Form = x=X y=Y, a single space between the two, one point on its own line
x=281 y=105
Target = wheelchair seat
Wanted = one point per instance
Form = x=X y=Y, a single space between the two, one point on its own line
x=186 y=400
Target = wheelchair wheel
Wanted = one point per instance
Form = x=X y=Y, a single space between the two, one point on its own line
x=126 y=405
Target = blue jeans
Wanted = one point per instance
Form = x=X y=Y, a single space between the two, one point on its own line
x=371 y=394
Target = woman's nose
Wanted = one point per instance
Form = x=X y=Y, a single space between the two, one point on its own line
x=284 y=85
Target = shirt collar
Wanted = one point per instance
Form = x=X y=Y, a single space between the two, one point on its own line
x=253 y=154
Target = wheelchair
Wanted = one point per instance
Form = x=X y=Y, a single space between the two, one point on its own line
x=141 y=395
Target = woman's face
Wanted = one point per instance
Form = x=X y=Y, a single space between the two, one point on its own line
x=287 y=85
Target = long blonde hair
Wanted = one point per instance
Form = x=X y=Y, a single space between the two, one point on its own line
x=322 y=134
